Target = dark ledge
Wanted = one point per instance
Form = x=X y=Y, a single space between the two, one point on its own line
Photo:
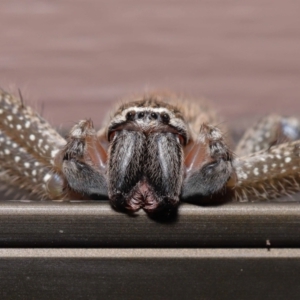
x=219 y=274
x=95 y=224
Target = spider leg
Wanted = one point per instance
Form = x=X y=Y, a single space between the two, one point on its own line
x=267 y=132
x=269 y=164
x=79 y=168
x=211 y=169
x=208 y=163
x=21 y=169
x=268 y=174
x=28 y=145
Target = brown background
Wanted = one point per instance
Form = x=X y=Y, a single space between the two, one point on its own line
x=76 y=57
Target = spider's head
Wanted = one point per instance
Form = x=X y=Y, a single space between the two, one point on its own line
x=145 y=167
x=149 y=116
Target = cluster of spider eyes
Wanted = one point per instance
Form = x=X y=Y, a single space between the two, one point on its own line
x=130 y=116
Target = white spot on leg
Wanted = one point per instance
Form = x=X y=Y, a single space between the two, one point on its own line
x=27 y=124
x=287 y=159
x=32 y=137
x=47 y=177
x=27 y=165
x=242 y=175
x=54 y=152
x=1 y=111
x=9 y=118
x=6 y=151
x=33 y=173
x=256 y=172
x=265 y=168
x=17 y=159
x=19 y=127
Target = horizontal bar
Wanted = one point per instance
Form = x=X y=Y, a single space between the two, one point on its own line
x=147 y=253
x=96 y=224
x=150 y=274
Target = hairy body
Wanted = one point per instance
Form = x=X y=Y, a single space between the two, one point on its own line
x=155 y=151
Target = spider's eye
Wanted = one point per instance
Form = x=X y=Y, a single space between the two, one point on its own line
x=154 y=115
x=165 y=118
x=141 y=115
x=130 y=115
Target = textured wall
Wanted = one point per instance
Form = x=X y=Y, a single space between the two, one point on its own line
x=77 y=57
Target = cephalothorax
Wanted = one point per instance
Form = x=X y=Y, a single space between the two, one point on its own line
x=155 y=151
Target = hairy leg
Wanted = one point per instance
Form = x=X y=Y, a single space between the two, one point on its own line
x=268 y=164
x=28 y=145
x=268 y=174
x=269 y=131
x=213 y=172
x=79 y=170
x=208 y=163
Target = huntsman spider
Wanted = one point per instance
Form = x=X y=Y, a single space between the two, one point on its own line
x=155 y=151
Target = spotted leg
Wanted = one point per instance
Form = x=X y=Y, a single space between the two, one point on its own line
x=267 y=132
x=28 y=145
x=268 y=165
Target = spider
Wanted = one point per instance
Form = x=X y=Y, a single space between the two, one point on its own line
x=155 y=151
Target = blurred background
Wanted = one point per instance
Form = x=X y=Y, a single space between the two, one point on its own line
x=74 y=59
